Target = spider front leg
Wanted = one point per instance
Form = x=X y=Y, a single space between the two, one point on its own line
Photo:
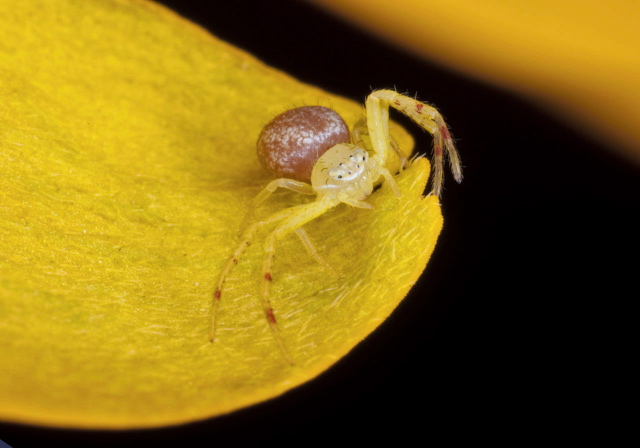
x=426 y=117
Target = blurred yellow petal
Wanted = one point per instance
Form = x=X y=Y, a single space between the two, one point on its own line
x=127 y=161
x=578 y=56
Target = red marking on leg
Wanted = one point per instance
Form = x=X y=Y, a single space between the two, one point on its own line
x=268 y=276
x=445 y=133
x=419 y=107
x=218 y=294
x=270 y=316
x=437 y=150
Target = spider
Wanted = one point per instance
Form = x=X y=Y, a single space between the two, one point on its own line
x=313 y=143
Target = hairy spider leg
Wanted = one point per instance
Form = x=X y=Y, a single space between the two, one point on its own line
x=426 y=117
x=289 y=184
x=293 y=218
x=247 y=238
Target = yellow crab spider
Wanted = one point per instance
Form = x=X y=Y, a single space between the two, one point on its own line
x=313 y=143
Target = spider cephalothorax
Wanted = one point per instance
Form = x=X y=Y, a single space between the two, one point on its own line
x=313 y=144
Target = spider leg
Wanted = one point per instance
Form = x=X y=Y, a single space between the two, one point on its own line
x=378 y=124
x=390 y=180
x=290 y=184
x=306 y=241
x=247 y=238
x=298 y=216
x=356 y=203
x=426 y=117
x=404 y=162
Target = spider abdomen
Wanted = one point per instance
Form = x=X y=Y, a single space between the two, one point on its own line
x=291 y=143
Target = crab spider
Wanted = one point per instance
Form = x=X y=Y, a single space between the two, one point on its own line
x=313 y=143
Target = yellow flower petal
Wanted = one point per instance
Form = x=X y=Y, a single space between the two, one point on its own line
x=127 y=156
x=578 y=56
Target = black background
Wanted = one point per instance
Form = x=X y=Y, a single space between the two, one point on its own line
x=507 y=332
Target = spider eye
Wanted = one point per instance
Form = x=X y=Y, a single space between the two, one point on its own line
x=338 y=172
x=352 y=168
